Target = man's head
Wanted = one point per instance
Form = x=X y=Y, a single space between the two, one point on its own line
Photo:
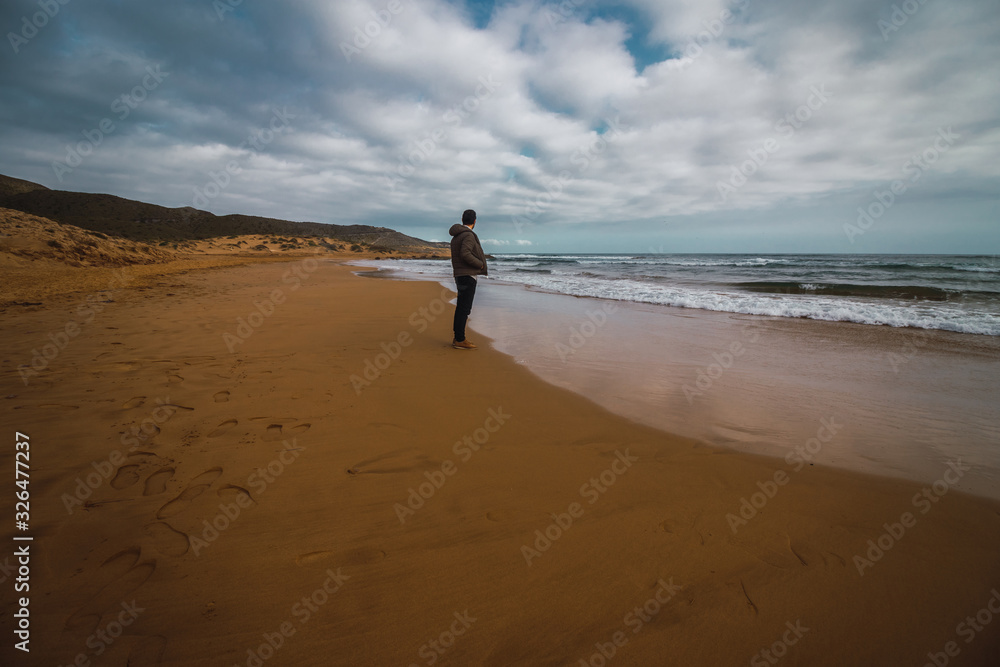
x=469 y=218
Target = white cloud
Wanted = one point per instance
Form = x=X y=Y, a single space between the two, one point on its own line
x=435 y=115
x=520 y=242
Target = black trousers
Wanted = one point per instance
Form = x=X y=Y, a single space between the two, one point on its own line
x=466 y=293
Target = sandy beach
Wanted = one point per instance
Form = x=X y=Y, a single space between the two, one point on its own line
x=908 y=400
x=286 y=464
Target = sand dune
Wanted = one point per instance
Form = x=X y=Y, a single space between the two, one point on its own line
x=72 y=259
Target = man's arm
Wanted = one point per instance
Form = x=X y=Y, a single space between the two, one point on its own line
x=468 y=256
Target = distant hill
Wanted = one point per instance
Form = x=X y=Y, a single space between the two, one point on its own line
x=15 y=186
x=139 y=221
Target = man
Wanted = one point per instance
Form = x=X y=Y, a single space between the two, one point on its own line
x=467 y=261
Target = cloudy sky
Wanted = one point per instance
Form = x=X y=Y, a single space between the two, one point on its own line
x=585 y=125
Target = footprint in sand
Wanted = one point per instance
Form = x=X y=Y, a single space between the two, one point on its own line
x=114 y=581
x=392 y=428
x=127 y=366
x=221 y=397
x=190 y=361
x=299 y=429
x=166 y=539
x=751 y=605
x=234 y=493
x=126 y=476
x=312 y=557
x=278 y=431
x=363 y=556
x=223 y=428
x=685 y=529
x=777 y=550
x=173 y=378
x=195 y=488
x=416 y=462
x=148 y=433
x=157 y=482
x=134 y=402
x=837 y=558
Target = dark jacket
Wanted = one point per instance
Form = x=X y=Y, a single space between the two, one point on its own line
x=467 y=256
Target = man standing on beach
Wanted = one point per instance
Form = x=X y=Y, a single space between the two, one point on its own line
x=467 y=261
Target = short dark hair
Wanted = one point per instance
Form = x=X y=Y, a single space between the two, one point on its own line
x=468 y=217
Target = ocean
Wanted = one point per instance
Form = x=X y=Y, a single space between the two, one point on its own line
x=958 y=293
x=684 y=343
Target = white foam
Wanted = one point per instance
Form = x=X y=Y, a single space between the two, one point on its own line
x=837 y=309
x=923 y=315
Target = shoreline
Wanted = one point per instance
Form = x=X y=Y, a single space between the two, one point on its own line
x=799 y=287
x=762 y=384
x=541 y=521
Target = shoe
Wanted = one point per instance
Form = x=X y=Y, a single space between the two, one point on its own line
x=463 y=345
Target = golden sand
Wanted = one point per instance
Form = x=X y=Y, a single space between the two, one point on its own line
x=209 y=482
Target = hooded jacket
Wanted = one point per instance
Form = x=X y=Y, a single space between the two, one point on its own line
x=467 y=256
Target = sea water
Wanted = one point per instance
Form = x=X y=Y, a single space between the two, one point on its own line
x=951 y=293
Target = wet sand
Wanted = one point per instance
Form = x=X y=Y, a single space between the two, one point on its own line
x=909 y=399
x=254 y=504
